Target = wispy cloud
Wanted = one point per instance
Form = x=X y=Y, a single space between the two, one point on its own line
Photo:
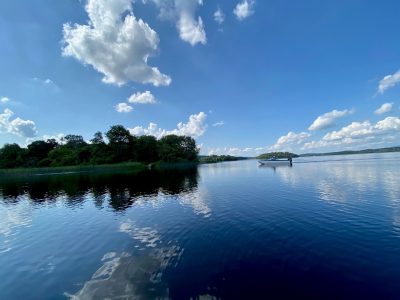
x=389 y=81
x=244 y=9
x=183 y=13
x=328 y=120
x=385 y=108
x=219 y=124
x=219 y=16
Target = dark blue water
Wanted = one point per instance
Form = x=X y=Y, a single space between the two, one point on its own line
x=326 y=228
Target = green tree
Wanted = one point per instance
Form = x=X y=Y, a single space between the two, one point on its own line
x=122 y=143
x=173 y=148
x=97 y=139
x=74 y=141
x=12 y=156
x=146 y=148
x=63 y=156
x=100 y=151
x=39 y=150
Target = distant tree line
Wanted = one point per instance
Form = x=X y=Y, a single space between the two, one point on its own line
x=348 y=152
x=120 y=147
x=277 y=155
x=219 y=158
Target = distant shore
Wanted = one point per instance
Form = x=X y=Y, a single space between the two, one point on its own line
x=349 y=152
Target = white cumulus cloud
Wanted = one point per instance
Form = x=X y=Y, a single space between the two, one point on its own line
x=244 y=9
x=388 y=124
x=328 y=119
x=195 y=127
x=4 y=100
x=142 y=98
x=114 y=43
x=235 y=151
x=123 y=108
x=219 y=16
x=389 y=81
x=17 y=126
x=183 y=13
x=359 y=133
x=385 y=107
x=287 y=142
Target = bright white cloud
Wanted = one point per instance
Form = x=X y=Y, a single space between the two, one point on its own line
x=328 y=120
x=114 y=43
x=287 y=142
x=142 y=98
x=17 y=126
x=385 y=107
x=244 y=9
x=183 y=13
x=4 y=100
x=24 y=128
x=235 y=151
x=389 y=81
x=123 y=108
x=359 y=133
x=354 y=130
x=388 y=124
x=195 y=127
x=219 y=16
x=219 y=124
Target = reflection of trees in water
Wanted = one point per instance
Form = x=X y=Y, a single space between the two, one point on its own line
x=120 y=189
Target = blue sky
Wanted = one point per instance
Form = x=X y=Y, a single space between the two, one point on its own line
x=242 y=77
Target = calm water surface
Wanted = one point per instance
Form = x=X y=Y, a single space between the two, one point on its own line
x=327 y=228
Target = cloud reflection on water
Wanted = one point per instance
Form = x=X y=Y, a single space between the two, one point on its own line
x=359 y=178
x=136 y=275
x=12 y=219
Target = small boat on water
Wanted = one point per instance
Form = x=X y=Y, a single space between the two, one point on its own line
x=275 y=161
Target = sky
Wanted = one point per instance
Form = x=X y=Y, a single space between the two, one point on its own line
x=242 y=77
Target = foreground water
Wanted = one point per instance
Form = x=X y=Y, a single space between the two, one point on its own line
x=326 y=228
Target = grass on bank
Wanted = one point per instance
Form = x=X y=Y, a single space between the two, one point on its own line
x=131 y=166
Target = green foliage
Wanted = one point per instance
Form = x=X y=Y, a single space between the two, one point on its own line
x=147 y=149
x=11 y=156
x=277 y=155
x=97 y=139
x=122 y=143
x=74 y=141
x=219 y=158
x=63 y=156
x=38 y=151
x=121 y=147
x=173 y=148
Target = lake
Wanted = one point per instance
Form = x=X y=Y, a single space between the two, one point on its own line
x=326 y=228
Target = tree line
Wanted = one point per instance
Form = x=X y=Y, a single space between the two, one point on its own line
x=277 y=155
x=120 y=147
x=219 y=158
